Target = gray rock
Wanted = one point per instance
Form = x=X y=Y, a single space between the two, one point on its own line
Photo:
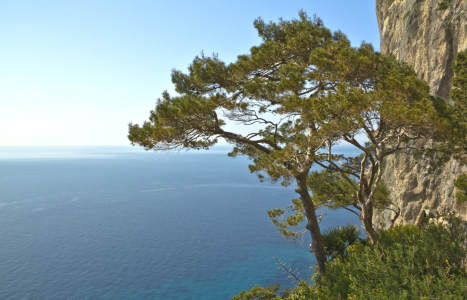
x=428 y=39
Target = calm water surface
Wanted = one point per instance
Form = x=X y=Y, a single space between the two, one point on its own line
x=120 y=223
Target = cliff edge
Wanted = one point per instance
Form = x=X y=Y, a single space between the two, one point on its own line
x=427 y=36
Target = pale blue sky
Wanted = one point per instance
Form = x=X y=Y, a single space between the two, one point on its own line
x=77 y=72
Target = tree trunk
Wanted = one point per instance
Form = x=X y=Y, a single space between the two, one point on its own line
x=367 y=219
x=313 y=225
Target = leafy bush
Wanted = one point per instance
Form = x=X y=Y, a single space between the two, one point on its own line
x=336 y=240
x=444 y=5
x=461 y=184
x=407 y=263
x=261 y=293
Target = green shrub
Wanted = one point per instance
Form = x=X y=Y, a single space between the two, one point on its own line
x=261 y=293
x=336 y=240
x=444 y=5
x=407 y=263
x=461 y=184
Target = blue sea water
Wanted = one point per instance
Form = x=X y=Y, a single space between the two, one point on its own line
x=121 y=223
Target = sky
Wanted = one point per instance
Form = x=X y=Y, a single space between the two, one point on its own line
x=75 y=73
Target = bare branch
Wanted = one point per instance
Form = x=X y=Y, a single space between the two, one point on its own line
x=350 y=210
x=289 y=271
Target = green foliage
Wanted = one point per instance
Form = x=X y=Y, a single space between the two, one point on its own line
x=277 y=217
x=457 y=144
x=407 y=14
x=381 y=198
x=329 y=187
x=336 y=240
x=310 y=79
x=444 y=5
x=461 y=184
x=459 y=84
x=454 y=117
x=261 y=293
x=179 y=115
x=303 y=89
x=407 y=263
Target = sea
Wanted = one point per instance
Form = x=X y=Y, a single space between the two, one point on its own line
x=124 y=223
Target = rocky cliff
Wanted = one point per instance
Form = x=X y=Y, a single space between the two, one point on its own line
x=427 y=36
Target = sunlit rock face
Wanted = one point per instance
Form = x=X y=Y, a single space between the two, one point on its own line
x=427 y=38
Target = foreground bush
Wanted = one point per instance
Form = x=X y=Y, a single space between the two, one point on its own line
x=336 y=240
x=258 y=292
x=407 y=263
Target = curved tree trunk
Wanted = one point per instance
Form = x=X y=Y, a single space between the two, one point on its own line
x=313 y=225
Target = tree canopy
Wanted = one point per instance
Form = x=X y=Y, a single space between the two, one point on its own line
x=300 y=93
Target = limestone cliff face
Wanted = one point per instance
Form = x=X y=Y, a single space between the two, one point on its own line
x=427 y=38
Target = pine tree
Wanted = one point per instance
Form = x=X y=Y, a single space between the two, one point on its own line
x=300 y=92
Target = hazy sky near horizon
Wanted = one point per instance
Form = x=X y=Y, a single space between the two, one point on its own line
x=77 y=72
